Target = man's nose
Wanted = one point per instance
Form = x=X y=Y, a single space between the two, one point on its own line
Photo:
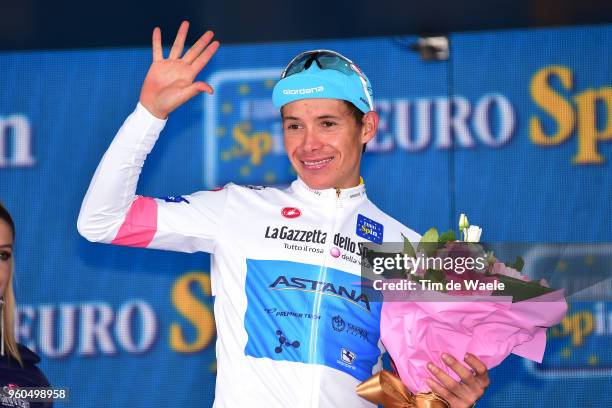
x=312 y=140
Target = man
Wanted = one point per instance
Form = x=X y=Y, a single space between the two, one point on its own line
x=292 y=329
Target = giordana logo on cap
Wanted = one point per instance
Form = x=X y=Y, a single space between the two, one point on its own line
x=303 y=91
x=291 y=212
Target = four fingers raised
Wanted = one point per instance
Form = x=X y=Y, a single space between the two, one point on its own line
x=198 y=55
x=190 y=65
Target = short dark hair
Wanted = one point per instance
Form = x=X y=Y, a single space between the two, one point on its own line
x=358 y=116
x=355 y=112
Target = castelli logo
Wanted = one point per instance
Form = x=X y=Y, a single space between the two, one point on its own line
x=291 y=212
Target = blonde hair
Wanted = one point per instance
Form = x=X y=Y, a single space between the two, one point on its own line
x=8 y=318
x=7 y=323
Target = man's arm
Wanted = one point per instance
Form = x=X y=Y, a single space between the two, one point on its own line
x=111 y=211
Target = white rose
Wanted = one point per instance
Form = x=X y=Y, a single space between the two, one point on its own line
x=473 y=233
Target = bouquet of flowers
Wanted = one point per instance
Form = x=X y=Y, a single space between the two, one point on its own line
x=487 y=308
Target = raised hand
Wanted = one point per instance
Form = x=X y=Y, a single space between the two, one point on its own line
x=170 y=82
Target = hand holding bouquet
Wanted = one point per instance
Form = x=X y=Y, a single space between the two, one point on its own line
x=486 y=309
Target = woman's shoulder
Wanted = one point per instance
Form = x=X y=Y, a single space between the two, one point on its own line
x=26 y=375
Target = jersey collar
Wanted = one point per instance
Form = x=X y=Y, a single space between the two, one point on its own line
x=350 y=194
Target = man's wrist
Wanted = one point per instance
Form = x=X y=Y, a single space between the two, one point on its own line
x=152 y=111
x=146 y=111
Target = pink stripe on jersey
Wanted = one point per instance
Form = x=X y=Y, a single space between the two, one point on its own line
x=140 y=224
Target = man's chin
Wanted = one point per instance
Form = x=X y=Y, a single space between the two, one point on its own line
x=317 y=183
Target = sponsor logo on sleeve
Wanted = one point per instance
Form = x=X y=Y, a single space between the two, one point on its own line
x=175 y=199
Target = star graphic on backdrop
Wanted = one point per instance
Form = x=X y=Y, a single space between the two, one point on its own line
x=269 y=177
x=246 y=126
x=244 y=89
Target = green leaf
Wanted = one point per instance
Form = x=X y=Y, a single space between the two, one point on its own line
x=408 y=248
x=448 y=236
x=520 y=289
x=435 y=276
x=518 y=264
x=429 y=242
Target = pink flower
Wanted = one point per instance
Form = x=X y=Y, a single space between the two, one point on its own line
x=459 y=252
x=419 y=271
x=501 y=269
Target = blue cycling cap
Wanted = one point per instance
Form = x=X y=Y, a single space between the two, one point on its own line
x=317 y=82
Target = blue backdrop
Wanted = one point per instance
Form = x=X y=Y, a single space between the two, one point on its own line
x=515 y=129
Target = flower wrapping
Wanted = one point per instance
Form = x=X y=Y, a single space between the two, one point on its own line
x=423 y=325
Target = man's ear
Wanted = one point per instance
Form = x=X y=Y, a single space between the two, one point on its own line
x=369 y=126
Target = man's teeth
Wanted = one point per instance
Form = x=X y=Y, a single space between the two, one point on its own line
x=317 y=162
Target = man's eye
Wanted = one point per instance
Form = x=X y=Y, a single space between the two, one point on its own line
x=328 y=123
x=293 y=126
x=5 y=256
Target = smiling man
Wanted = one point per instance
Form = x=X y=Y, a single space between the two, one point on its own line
x=326 y=107
x=293 y=329
x=323 y=140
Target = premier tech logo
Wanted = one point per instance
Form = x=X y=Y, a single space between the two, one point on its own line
x=283 y=282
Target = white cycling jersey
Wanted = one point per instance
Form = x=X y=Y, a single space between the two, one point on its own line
x=294 y=328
